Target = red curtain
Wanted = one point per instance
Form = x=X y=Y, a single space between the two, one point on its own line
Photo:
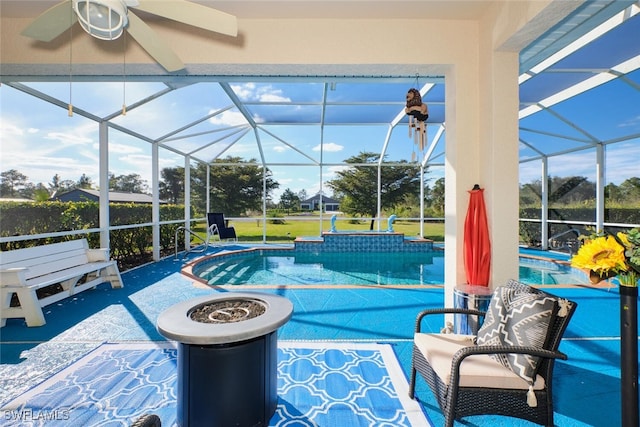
x=477 y=246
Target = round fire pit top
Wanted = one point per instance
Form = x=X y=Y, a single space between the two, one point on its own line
x=224 y=318
x=228 y=311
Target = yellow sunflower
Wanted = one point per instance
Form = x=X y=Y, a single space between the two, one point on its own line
x=603 y=256
x=624 y=239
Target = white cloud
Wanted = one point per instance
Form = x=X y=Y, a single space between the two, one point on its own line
x=620 y=164
x=10 y=129
x=244 y=91
x=330 y=147
x=122 y=148
x=279 y=148
x=138 y=163
x=634 y=121
x=228 y=118
x=66 y=150
x=273 y=97
x=266 y=93
x=65 y=138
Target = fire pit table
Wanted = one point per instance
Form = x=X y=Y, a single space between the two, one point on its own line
x=227 y=357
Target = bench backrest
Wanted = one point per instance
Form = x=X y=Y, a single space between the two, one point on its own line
x=46 y=259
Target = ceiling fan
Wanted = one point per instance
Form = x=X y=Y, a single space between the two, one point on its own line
x=108 y=19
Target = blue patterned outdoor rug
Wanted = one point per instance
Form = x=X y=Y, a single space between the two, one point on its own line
x=321 y=384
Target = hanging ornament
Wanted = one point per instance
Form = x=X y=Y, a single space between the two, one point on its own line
x=418 y=114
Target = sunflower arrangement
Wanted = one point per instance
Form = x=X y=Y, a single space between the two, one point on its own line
x=606 y=256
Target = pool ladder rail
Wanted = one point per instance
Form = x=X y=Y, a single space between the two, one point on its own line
x=570 y=245
x=195 y=249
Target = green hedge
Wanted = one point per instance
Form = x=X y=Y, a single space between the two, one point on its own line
x=129 y=246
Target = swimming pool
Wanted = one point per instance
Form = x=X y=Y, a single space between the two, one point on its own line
x=285 y=267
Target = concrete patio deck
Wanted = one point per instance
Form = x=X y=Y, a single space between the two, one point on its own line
x=587 y=386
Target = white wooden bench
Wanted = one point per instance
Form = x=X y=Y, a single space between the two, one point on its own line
x=23 y=271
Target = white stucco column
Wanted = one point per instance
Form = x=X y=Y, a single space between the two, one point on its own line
x=482 y=148
x=498 y=162
x=461 y=167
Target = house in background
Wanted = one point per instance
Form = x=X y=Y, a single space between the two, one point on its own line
x=313 y=204
x=84 y=195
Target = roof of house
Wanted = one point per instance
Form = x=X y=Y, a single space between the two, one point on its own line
x=325 y=199
x=114 y=196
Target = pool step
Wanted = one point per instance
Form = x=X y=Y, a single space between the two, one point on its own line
x=227 y=271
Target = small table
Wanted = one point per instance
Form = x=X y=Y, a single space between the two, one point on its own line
x=472 y=297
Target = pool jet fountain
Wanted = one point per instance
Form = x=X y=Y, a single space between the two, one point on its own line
x=227 y=357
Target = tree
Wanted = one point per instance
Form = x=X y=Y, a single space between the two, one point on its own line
x=436 y=197
x=357 y=185
x=172 y=184
x=562 y=191
x=236 y=186
x=613 y=194
x=565 y=190
x=131 y=183
x=289 y=200
x=54 y=185
x=58 y=185
x=630 y=189
x=530 y=194
x=40 y=193
x=302 y=195
x=10 y=182
x=85 y=182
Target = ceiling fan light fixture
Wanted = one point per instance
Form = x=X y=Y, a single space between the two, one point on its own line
x=103 y=19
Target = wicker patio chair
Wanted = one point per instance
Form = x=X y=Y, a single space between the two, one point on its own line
x=147 y=420
x=467 y=380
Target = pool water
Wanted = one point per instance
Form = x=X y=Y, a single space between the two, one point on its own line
x=547 y=273
x=266 y=267
x=345 y=268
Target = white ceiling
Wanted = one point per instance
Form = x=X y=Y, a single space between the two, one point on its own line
x=351 y=9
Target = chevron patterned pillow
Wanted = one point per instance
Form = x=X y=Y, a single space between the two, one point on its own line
x=518 y=315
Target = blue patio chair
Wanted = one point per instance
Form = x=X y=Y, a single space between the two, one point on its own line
x=217 y=225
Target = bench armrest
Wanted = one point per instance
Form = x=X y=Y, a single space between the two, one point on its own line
x=430 y=311
x=13 y=276
x=506 y=349
x=463 y=353
x=101 y=254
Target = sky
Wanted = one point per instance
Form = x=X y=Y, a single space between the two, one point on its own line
x=40 y=140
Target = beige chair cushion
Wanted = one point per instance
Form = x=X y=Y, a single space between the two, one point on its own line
x=475 y=371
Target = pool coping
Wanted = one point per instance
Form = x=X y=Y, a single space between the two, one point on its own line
x=603 y=284
x=187 y=270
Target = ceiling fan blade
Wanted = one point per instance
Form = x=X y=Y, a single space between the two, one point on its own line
x=192 y=14
x=51 y=23
x=153 y=44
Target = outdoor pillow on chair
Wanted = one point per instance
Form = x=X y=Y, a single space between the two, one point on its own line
x=518 y=315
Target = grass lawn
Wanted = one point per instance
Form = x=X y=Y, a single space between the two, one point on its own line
x=251 y=229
